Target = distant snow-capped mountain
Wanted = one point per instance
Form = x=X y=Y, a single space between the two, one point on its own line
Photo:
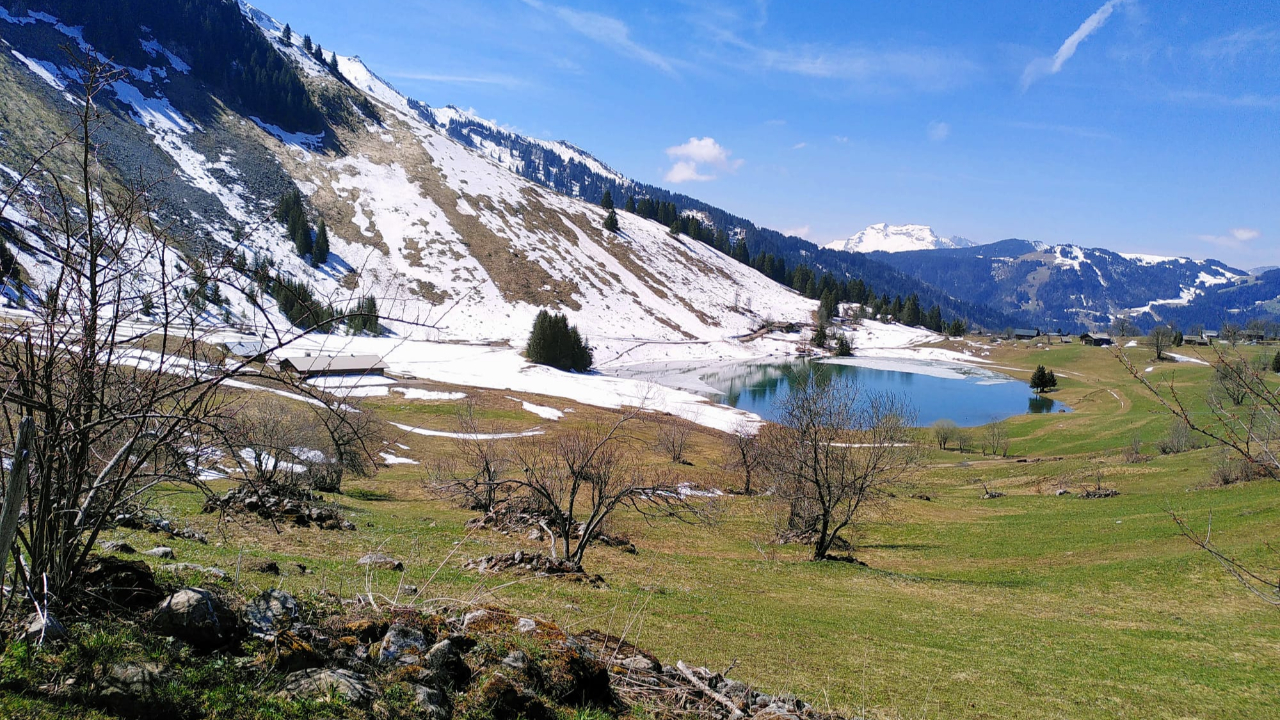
x=884 y=237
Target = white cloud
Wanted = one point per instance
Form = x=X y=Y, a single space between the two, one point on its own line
x=608 y=31
x=1041 y=67
x=1242 y=42
x=1235 y=237
x=800 y=232
x=695 y=152
x=938 y=131
x=686 y=171
x=800 y=146
x=501 y=80
x=842 y=139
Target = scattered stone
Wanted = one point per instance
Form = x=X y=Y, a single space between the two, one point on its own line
x=401 y=645
x=443 y=667
x=534 y=564
x=526 y=625
x=298 y=506
x=381 y=562
x=130 y=687
x=118 y=546
x=431 y=703
x=472 y=617
x=42 y=629
x=321 y=684
x=1099 y=492
x=271 y=612
x=162 y=552
x=213 y=572
x=196 y=616
x=1062 y=491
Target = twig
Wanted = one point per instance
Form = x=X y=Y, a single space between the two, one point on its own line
x=734 y=712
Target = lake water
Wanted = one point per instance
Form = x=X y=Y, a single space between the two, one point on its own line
x=967 y=396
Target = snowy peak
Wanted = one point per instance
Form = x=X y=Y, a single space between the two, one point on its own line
x=884 y=237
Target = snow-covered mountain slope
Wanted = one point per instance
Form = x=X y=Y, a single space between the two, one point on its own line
x=452 y=242
x=1067 y=285
x=884 y=237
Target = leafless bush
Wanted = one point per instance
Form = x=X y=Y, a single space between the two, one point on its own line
x=1228 y=470
x=1133 y=454
x=672 y=438
x=945 y=432
x=477 y=471
x=837 y=451
x=1178 y=440
x=995 y=438
x=744 y=454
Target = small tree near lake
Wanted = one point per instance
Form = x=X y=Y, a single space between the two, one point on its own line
x=556 y=343
x=1043 y=380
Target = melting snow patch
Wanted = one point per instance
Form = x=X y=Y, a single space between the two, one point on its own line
x=1186 y=359
x=468 y=436
x=390 y=459
x=542 y=411
x=420 y=394
x=302 y=140
x=45 y=70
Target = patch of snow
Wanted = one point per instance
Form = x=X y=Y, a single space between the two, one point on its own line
x=420 y=394
x=46 y=71
x=390 y=459
x=884 y=237
x=542 y=411
x=302 y=140
x=468 y=436
x=1187 y=359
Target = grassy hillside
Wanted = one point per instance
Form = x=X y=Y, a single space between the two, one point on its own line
x=1031 y=605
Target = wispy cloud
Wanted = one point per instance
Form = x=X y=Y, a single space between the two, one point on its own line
x=446 y=79
x=1042 y=67
x=607 y=31
x=920 y=69
x=1242 y=42
x=800 y=232
x=800 y=146
x=1081 y=132
x=695 y=154
x=1235 y=238
x=842 y=139
x=938 y=131
x=1246 y=100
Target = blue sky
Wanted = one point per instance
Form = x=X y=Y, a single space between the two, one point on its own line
x=1136 y=125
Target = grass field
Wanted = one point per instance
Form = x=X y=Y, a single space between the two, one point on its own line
x=1031 y=605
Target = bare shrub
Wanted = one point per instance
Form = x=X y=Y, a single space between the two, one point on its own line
x=744 y=454
x=995 y=438
x=476 y=472
x=945 y=432
x=836 y=453
x=673 y=437
x=1178 y=440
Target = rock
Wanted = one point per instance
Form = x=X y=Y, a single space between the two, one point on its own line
x=431 y=703
x=196 y=616
x=122 y=583
x=1062 y=491
x=402 y=645
x=271 y=612
x=321 y=684
x=162 y=552
x=472 y=617
x=290 y=652
x=42 y=629
x=517 y=660
x=212 y=572
x=444 y=667
x=266 y=567
x=129 y=688
x=118 y=546
x=526 y=625
x=381 y=562
x=504 y=699
x=639 y=663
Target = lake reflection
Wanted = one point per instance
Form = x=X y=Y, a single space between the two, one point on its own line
x=968 y=396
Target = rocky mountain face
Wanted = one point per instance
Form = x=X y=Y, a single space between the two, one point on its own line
x=1073 y=287
x=884 y=237
x=225 y=113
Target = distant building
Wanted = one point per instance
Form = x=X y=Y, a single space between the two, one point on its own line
x=1096 y=339
x=253 y=350
x=1025 y=334
x=316 y=366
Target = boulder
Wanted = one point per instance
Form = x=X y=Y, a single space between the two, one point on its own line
x=121 y=583
x=444 y=667
x=215 y=573
x=322 y=684
x=41 y=629
x=196 y=616
x=431 y=703
x=266 y=567
x=133 y=688
x=162 y=552
x=118 y=546
x=402 y=645
x=505 y=699
x=526 y=625
x=271 y=612
x=381 y=562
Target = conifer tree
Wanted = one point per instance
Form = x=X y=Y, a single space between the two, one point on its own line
x=631 y=204
x=842 y=347
x=911 y=311
x=333 y=64
x=286 y=35
x=1043 y=380
x=320 y=250
x=306 y=43
x=675 y=227
x=819 y=338
x=606 y=202
x=934 y=319
x=611 y=221
x=556 y=343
